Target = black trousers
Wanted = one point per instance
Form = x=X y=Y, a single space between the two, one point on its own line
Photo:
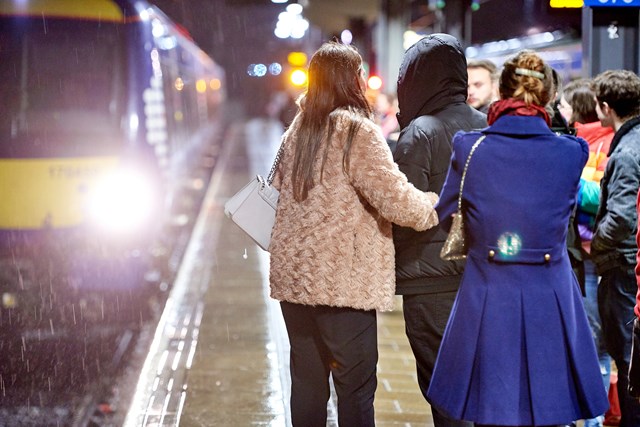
x=336 y=340
x=425 y=317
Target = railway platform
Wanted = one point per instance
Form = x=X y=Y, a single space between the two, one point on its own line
x=219 y=356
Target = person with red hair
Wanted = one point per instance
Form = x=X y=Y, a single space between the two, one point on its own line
x=517 y=349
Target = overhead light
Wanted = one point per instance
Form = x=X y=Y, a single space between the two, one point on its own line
x=279 y=1
x=291 y=23
x=294 y=8
x=346 y=36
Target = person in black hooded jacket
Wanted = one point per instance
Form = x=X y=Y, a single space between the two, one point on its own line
x=432 y=94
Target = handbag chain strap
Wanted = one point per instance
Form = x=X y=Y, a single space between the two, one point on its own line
x=276 y=161
x=464 y=171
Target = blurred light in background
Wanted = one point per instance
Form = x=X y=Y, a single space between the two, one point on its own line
x=566 y=3
x=158 y=29
x=297 y=59
x=374 y=83
x=504 y=47
x=275 y=69
x=257 y=70
x=410 y=38
x=201 y=86
x=179 y=84
x=260 y=70
x=346 y=36
x=294 y=9
x=215 y=84
x=298 y=77
x=291 y=23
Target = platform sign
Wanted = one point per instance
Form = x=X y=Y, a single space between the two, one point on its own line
x=603 y=3
x=566 y=3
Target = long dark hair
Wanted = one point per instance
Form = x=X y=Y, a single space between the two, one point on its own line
x=334 y=83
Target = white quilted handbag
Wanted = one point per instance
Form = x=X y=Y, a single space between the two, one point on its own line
x=253 y=208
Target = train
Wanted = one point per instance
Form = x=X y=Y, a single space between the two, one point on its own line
x=560 y=49
x=109 y=111
x=110 y=122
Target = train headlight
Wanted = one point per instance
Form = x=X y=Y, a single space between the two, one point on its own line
x=122 y=202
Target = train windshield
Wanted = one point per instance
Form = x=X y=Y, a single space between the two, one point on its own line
x=59 y=81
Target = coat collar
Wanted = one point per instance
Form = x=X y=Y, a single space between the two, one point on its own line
x=519 y=125
x=624 y=129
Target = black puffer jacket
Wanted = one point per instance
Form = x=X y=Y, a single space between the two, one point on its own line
x=432 y=93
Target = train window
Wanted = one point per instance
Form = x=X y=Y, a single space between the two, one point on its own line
x=59 y=82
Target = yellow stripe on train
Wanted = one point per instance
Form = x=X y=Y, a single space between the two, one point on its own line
x=103 y=10
x=36 y=193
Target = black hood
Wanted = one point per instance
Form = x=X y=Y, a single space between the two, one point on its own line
x=433 y=74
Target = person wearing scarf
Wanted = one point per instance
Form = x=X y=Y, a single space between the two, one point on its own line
x=517 y=349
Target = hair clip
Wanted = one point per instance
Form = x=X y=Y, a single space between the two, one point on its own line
x=530 y=73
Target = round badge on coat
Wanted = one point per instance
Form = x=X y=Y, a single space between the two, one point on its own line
x=509 y=243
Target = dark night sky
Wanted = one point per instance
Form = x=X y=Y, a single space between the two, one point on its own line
x=235 y=33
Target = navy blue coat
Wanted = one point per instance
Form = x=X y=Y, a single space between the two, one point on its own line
x=517 y=349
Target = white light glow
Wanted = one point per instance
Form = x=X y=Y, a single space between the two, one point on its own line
x=281 y=32
x=260 y=70
x=299 y=29
x=134 y=122
x=157 y=28
x=122 y=201
x=291 y=23
x=410 y=38
x=346 y=36
x=294 y=8
x=167 y=43
x=275 y=69
x=285 y=18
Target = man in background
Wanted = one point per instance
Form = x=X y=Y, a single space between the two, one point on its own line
x=482 y=85
x=614 y=247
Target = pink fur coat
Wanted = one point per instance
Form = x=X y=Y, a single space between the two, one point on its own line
x=335 y=248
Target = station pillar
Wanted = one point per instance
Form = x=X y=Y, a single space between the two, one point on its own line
x=389 y=37
x=610 y=38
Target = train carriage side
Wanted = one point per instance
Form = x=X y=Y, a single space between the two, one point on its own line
x=100 y=146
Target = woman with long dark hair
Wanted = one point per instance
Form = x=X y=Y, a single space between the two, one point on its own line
x=332 y=256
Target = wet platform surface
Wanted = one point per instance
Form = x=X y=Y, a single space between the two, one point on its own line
x=220 y=354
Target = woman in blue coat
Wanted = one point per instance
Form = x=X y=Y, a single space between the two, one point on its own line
x=517 y=350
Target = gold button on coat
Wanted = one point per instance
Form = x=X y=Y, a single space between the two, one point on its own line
x=547 y=257
x=492 y=253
